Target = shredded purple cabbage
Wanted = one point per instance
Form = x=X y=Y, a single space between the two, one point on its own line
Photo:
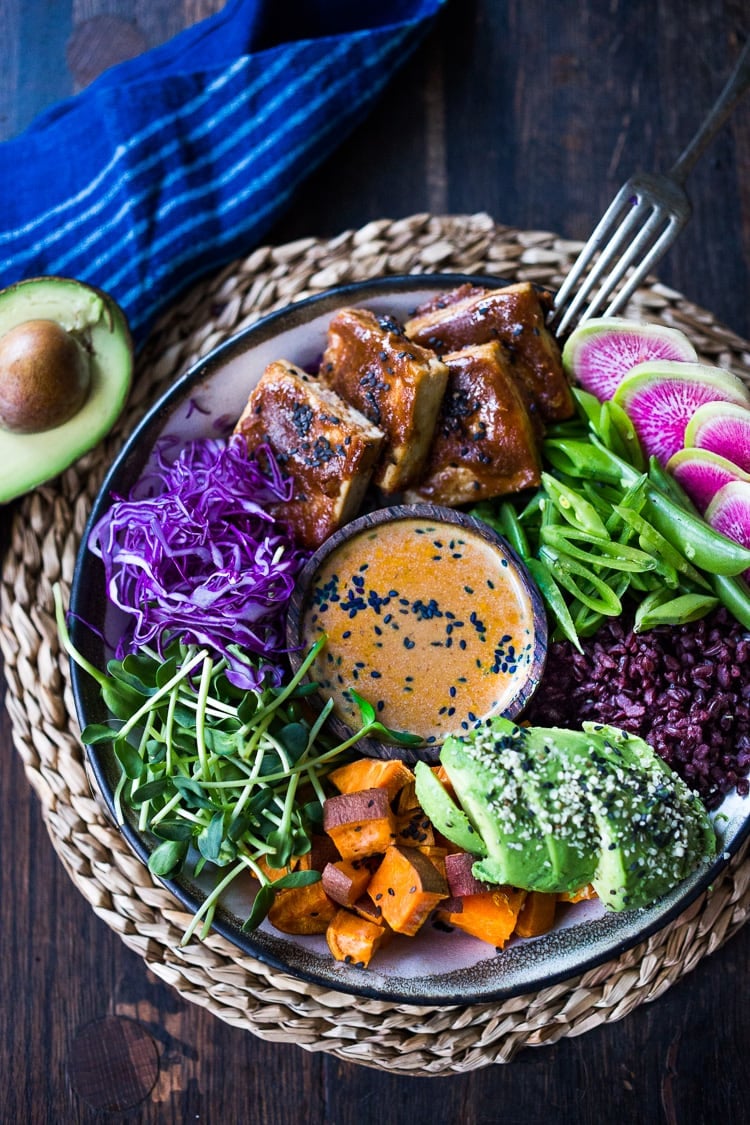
x=194 y=555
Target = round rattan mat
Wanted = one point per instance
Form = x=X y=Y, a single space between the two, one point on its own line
x=45 y=536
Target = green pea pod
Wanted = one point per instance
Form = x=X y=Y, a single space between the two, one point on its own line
x=531 y=510
x=575 y=428
x=584 y=460
x=633 y=498
x=604 y=552
x=550 y=515
x=573 y=507
x=588 y=405
x=660 y=547
x=553 y=599
x=487 y=512
x=629 y=442
x=734 y=595
x=701 y=545
x=608 y=433
x=655 y=611
x=648 y=581
x=599 y=497
x=688 y=533
x=511 y=528
x=588 y=623
x=567 y=571
x=664 y=481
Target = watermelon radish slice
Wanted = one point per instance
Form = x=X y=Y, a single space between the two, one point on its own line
x=601 y=352
x=729 y=513
x=702 y=474
x=660 y=399
x=723 y=428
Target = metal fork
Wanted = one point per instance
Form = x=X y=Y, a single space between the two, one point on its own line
x=640 y=225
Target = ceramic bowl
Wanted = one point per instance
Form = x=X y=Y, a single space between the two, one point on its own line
x=433 y=968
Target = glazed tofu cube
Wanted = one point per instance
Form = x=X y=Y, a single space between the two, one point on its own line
x=484 y=443
x=514 y=316
x=326 y=446
x=396 y=383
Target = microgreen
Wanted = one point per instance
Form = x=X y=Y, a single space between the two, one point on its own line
x=217 y=774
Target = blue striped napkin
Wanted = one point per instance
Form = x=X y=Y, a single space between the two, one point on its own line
x=173 y=163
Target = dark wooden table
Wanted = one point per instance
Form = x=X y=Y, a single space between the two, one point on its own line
x=533 y=112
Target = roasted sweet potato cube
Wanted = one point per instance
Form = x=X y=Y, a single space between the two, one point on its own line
x=360 y=824
x=414 y=829
x=407 y=799
x=583 y=894
x=354 y=939
x=537 y=915
x=372 y=773
x=327 y=447
x=445 y=781
x=394 y=382
x=274 y=873
x=436 y=855
x=461 y=880
x=345 y=881
x=366 y=908
x=302 y=910
x=322 y=851
x=514 y=316
x=406 y=887
x=485 y=444
x=490 y=916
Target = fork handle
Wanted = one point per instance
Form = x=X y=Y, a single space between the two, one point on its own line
x=736 y=86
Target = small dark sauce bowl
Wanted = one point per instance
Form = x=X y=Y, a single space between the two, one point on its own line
x=528 y=677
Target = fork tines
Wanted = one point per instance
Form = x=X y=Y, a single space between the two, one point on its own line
x=640 y=224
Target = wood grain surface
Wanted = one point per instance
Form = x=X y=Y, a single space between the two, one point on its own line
x=534 y=112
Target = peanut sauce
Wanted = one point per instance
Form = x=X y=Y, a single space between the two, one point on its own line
x=428 y=621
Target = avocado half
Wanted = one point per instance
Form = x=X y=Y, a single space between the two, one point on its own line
x=98 y=323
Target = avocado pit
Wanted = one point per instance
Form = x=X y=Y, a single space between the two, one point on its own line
x=45 y=375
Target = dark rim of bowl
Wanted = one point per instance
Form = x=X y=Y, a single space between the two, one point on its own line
x=88 y=589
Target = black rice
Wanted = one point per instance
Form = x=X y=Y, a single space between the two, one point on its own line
x=685 y=690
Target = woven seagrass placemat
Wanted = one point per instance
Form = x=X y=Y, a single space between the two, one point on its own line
x=45 y=537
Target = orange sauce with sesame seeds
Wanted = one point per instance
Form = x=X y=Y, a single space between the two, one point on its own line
x=428 y=621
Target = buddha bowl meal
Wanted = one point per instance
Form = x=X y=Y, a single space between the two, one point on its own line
x=420 y=634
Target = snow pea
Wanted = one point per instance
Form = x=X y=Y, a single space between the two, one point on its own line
x=567 y=572
x=664 y=481
x=688 y=533
x=734 y=594
x=732 y=590
x=657 y=610
x=589 y=406
x=604 y=551
x=620 y=427
x=573 y=507
x=701 y=545
x=582 y=459
x=513 y=531
x=554 y=599
x=633 y=498
x=665 y=554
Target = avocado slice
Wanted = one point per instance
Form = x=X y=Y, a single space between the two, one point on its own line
x=653 y=829
x=558 y=809
x=519 y=787
x=99 y=325
x=444 y=813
